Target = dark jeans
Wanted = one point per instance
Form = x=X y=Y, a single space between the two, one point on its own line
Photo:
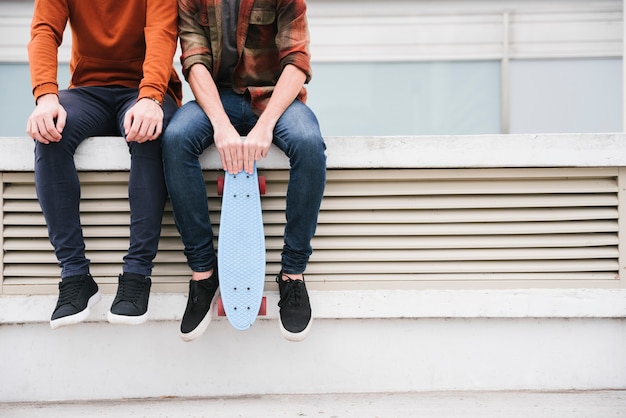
x=99 y=111
x=297 y=134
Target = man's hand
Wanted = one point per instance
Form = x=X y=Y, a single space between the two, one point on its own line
x=230 y=147
x=144 y=121
x=47 y=121
x=257 y=145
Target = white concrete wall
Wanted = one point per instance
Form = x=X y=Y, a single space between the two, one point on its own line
x=374 y=341
x=101 y=361
x=362 y=341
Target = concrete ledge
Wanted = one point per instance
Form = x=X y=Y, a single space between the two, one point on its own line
x=346 y=356
x=487 y=404
x=474 y=151
x=375 y=304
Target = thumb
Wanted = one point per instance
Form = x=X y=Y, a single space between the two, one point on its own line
x=61 y=119
x=128 y=120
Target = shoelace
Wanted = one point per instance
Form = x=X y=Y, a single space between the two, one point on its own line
x=130 y=290
x=68 y=291
x=293 y=293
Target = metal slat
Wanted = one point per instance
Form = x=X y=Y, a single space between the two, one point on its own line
x=518 y=228
x=360 y=230
x=102 y=218
x=364 y=175
x=463 y=216
x=461 y=267
x=451 y=255
x=88 y=191
x=106 y=206
x=466 y=202
x=357 y=203
x=92 y=244
x=470 y=187
x=456 y=241
x=88 y=231
x=537 y=267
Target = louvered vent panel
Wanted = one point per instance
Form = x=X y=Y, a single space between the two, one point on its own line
x=377 y=229
x=501 y=227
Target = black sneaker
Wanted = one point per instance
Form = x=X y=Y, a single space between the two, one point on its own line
x=295 y=309
x=130 y=305
x=200 y=307
x=77 y=294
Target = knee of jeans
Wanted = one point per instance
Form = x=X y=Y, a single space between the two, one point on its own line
x=173 y=142
x=311 y=146
x=169 y=136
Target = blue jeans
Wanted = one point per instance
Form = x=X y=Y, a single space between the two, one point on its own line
x=99 y=111
x=297 y=134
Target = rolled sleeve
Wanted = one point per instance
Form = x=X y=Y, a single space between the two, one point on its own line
x=198 y=58
x=301 y=61
x=194 y=34
x=292 y=38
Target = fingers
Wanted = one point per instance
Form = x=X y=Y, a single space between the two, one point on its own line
x=128 y=122
x=47 y=121
x=230 y=147
x=248 y=160
x=251 y=155
x=232 y=158
x=61 y=119
x=139 y=130
x=237 y=155
x=43 y=130
x=142 y=131
x=254 y=152
x=143 y=122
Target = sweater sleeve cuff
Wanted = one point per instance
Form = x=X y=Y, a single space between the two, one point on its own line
x=148 y=92
x=46 y=88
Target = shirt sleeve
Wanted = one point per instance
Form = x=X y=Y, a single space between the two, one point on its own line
x=293 y=38
x=48 y=24
x=194 y=33
x=161 y=34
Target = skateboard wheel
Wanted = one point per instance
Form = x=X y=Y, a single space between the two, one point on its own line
x=220 y=185
x=262 y=186
x=220 y=308
x=263 y=307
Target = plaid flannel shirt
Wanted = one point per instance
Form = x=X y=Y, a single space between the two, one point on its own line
x=270 y=35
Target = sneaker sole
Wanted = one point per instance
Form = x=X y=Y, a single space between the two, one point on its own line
x=77 y=317
x=295 y=336
x=204 y=324
x=126 y=319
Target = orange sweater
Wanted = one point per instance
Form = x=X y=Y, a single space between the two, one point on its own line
x=127 y=43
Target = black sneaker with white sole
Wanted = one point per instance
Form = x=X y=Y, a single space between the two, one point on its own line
x=77 y=294
x=295 y=309
x=200 y=306
x=130 y=305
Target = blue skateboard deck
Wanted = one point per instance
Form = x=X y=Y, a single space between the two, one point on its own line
x=241 y=249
